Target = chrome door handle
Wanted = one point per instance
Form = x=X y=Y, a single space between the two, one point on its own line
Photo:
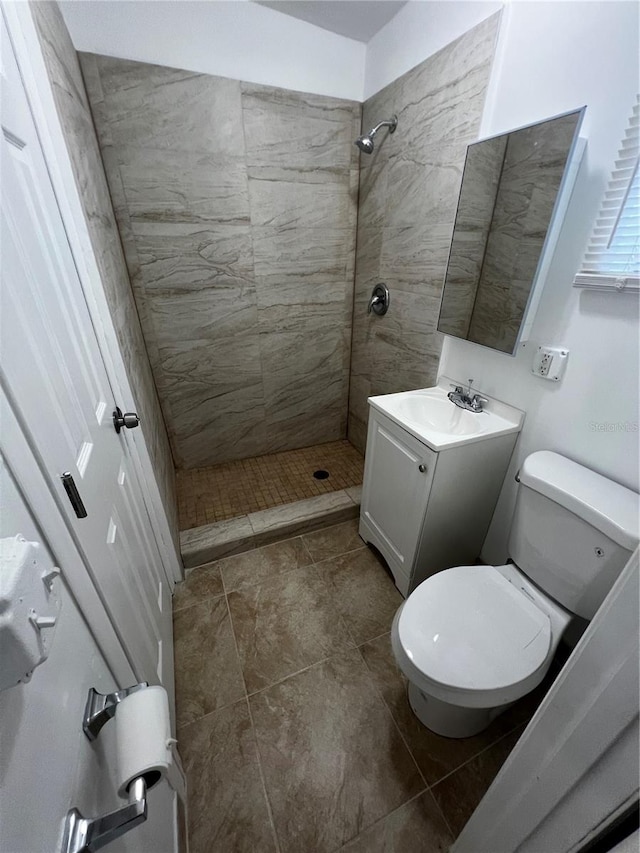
x=85 y=835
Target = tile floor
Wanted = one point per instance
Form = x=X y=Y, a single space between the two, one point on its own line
x=207 y=495
x=293 y=721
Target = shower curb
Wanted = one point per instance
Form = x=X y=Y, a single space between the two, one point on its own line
x=210 y=542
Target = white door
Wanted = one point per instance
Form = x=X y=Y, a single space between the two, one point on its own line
x=47 y=766
x=54 y=375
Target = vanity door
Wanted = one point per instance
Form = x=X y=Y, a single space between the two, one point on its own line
x=397 y=480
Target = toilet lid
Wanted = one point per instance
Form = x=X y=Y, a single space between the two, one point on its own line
x=469 y=628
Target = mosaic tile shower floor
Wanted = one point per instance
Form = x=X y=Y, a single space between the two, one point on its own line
x=208 y=495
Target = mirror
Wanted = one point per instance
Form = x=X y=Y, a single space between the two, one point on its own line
x=509 y=198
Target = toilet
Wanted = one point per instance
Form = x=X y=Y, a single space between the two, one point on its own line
x=473 y=639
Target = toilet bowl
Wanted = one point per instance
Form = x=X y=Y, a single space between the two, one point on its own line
x=472 y=640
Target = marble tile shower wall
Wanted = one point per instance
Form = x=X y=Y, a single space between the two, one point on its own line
x=408 y=193
x=237 y=208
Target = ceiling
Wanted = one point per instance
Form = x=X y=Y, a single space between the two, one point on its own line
x=356 y=19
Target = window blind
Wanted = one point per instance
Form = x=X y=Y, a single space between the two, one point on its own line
x=612 y=259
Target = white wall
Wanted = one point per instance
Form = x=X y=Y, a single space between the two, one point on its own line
x=554 y=57
x=237 y=39
x=245 y=41
x=419 y=30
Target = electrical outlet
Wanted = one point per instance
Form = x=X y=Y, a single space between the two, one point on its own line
x=545 y=362
x=550 y=363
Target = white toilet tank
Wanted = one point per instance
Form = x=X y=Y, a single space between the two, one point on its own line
x=573 y=530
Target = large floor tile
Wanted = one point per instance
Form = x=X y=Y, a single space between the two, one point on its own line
x=332 y=757
x=285 y=624
x=253 y=567
x=227 y=807
x=199 y=585
x=416 y=827
x=207 y=668
x=459 y=794
x=365 y=595
x=436 y=756
x=333 y=540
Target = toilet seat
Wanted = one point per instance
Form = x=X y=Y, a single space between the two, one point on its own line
x=468 y=635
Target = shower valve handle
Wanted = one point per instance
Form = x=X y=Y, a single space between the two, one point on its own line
x=379 y=302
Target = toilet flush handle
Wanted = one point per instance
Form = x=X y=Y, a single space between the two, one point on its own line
x=422 y=467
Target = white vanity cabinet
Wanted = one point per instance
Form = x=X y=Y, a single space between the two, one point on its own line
x=428 y=510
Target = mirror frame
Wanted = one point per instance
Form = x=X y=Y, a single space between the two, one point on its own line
x=556 y=219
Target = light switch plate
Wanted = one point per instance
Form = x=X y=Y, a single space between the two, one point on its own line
x=550 y=363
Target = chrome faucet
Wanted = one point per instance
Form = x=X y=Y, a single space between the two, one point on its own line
x=465 y=400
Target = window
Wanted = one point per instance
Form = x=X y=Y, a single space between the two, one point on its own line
x=613 y=255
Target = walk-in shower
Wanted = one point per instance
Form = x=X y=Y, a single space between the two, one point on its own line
x=365 y=142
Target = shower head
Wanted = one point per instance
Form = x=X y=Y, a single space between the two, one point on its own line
x=365 y=142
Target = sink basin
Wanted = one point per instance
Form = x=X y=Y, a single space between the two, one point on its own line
x=431 y=417
x=440 y=415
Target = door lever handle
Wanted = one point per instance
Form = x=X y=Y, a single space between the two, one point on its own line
x=85 y=835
